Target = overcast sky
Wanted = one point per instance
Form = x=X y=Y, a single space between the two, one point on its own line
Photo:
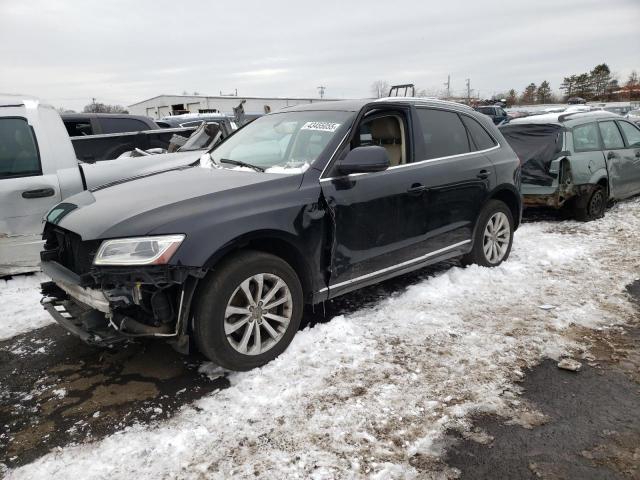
x=67 y=52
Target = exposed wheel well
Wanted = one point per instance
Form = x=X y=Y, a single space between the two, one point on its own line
x=275 y=246
x=512 y=201
x=604 y=184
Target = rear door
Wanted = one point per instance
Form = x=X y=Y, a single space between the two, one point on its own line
x=456 y=170
x=631 y=135
x=620 y=160
x=27 y=190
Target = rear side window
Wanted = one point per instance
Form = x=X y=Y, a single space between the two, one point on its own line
x=611 y=137
x=78 y=128
x=585 y=138
x=120 y=125
x=478 y=134
x=18 y=150
x=631 y=133
x=443 y=133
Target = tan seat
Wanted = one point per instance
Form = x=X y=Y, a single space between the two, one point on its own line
x=386 y=132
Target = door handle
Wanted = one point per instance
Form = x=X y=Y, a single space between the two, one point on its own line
x=611 y=155
x=38 y=193
x=483 y=174
x=416 y=189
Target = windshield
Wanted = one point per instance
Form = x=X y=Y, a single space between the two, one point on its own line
x=282 y=141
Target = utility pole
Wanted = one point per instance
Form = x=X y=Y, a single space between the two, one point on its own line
x=468 y=91
x=448 y=85
x=321 y=89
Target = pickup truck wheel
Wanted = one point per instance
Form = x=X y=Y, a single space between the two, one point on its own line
x=249 y=308
x=493 y=236
x=591 y=207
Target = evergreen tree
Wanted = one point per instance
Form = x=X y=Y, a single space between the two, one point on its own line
x=583 y=87
x=544 y=92
x=568 y=85
x=529 y=94
x=512 y=98
x=600 y=77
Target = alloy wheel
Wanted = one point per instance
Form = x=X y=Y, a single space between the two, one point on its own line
x=496 y=238
x=258 y=314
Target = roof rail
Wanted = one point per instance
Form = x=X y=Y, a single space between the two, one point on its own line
x=422 y=99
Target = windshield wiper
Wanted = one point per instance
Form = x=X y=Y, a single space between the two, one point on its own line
x=241 y=164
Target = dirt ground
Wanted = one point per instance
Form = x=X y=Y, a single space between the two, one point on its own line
x=592 y=418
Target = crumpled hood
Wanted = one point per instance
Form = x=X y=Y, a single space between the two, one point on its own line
x=137 y=207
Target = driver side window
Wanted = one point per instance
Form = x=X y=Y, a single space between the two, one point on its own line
x=386 y=131
x=18 y=151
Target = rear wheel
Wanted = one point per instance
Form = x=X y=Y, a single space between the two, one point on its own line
x=493 y=236
x=591 y=207
x=248 y=310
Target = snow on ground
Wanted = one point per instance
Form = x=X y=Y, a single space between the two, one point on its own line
x=372 y=393
x=20 y=309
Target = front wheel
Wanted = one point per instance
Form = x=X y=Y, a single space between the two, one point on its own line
x=493 y=236
x=248 y=310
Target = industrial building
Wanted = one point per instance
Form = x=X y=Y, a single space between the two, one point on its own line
x=165 y=105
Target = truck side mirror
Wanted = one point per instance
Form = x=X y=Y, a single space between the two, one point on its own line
x=364 y=160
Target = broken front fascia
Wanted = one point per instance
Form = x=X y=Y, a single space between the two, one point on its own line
x=116 y=303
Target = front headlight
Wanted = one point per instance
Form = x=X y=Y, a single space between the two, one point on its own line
x=138 y=251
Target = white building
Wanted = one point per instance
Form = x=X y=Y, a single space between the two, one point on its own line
x=165 y=105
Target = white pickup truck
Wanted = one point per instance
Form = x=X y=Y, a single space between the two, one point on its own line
x=39 y=168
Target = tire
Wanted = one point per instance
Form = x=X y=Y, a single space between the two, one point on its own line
x=592 y=207
x=238 y=333
x=491 y=229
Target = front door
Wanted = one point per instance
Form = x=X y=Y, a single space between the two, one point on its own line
x=620 y=162
x=25 y=193
x=631 y=154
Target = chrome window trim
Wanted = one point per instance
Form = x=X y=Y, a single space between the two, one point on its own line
x=422 y=105
x=395 y=267
x=429 y=160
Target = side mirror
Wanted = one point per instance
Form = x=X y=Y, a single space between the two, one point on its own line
x=364 y=159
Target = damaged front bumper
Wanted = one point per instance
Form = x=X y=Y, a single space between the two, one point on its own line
x=112 y=305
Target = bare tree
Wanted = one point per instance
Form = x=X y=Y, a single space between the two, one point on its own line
x=97 y=107
x=380 y=88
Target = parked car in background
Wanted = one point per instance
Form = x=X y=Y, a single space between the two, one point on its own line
x=297 y=207
x=495 y=112
x=623 y=110
x=576 y=161
x=206 y=136
x=196 y=119
x=105 y=136
x=634 y=116
x=83 y=124
x=39 y=168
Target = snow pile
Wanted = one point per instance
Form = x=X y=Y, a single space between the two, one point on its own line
x=374 y=392
x=20 y=309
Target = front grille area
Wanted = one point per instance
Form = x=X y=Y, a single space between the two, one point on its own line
x=68 y=249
